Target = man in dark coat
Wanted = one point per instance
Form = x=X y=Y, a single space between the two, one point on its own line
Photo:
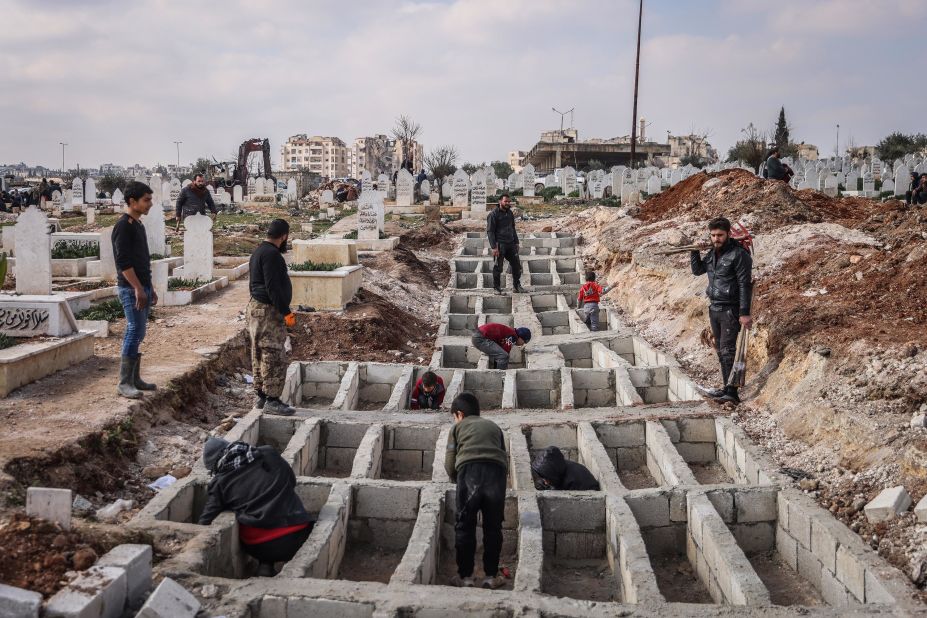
x=553 y=471
x=259 y=486
x=503 y=240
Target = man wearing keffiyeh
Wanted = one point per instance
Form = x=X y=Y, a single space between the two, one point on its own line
x=259 y=487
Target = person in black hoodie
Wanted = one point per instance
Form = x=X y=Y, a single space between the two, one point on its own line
x=503 y=240
x=259 y=486
x=553 y=471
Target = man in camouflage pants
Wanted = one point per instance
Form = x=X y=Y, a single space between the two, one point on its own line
x=268 y=316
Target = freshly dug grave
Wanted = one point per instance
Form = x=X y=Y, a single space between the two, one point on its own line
x=432 y=234
x=37 y=554
x=369 y=329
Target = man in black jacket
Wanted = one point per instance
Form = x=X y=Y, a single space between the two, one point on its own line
x=259 y=486
x=268 y=315
x=553 y=471
x=730 y=291
x=503 y=239
x=194 y=199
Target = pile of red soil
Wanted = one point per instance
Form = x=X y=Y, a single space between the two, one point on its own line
x=369 y=329
x=432 y=234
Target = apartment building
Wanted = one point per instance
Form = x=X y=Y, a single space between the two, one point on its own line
x=326 y=156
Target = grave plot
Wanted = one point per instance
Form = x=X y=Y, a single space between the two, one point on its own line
x=544 y=302
x=541 y=279
x=409 y=452
x=593 y=388
x=338 y=444
x=488 y=385
x=472 y=251
x=661 y=385
x=575 y=543
x=462 y=356
x=459 y=303
x=539 y=437
x=497 y=305
x=466 y=281
x=468 y=266
x=461 y=324
x=568 y=273
x=378 y=531
x=535 y=267
x=626 y=446
x=375 y=384
x=444 y=552
x=320 y=383
x=695 y=441
x=537 y=388
x=554 y=322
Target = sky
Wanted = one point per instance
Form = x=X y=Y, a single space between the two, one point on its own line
x=120 y=80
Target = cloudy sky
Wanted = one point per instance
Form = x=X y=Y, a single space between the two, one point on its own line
x=120 y=80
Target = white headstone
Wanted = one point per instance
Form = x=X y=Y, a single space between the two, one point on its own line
x=33 y=253
x=118 y=198
x=383 y=185
x=675 y=177
x=90 y=191
x=852 y=181
x=424 y=190
x=654 y=185
x=327 y=197
x=237 y=194
x=197 y=248
x=478 y=194
x=107 y=257
x=568 y=180
x=405 y=188
x=461 y=189
x=366 y=182
x=596 y=181
x=251 y=186
x=91 y=214
x=174 y=191
x=77 y=192
x=154 y=230
x=889 y=187
x=447 y=187
x=831 y=185
x=902 y=180
x=368 y=216
x=527 y=180
x=56 y=199
x=166 y=195
x=291 y=189
x=868 y=184
x=258 y=186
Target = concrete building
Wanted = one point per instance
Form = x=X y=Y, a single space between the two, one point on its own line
x=326 y=156
x=515 y=160
x=381 y=154
x=808 y=151
x=557 y=149
x=682 y=146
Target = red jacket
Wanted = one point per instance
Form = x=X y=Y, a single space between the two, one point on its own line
x=428 y=401
x=504 y=335
x=589 y=293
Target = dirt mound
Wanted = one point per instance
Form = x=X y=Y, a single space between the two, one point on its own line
x=403 y=264
x=369 y=329
x=738 y=194
x=37 y=554
x=431 y=234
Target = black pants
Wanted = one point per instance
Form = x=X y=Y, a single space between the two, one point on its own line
x=281 y=549
x=725 y=326
x=480 y=489
x=507 y=251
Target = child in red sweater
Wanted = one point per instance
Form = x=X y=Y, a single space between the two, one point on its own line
x=588 y=300
x=496 y=341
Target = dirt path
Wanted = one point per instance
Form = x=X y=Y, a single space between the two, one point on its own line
x=59 y=410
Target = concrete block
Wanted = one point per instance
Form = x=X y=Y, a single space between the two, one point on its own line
x=697 y=452
x=799 y=525
x=19 y=603
x=169 y=600
x=572 y=515
x=833 y=592
x=390 y=502
x=414 y=438
x=921 y=510
x=98 y=592
x=787 y=547
x=50 y=504
x=621 y=434
x=650 y=510
x=755 y=505
x=755 y=538
x=875 y=590
x=326 y=608
x=561 y=436
x=697 y=429
x=273 y=607
x=723 y=502
x=824 y=545
x=136 y=561
x=809 y=567
x=888 y=504
x=851 y=573
x=580 y=545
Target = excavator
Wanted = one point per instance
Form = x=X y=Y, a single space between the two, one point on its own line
x=247 y=147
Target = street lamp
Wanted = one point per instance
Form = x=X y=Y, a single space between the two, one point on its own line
x=837 y=153
x=562 y=114
x=178 y=152
x=63 y=144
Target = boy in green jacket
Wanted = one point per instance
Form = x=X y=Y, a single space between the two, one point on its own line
x=477 y=461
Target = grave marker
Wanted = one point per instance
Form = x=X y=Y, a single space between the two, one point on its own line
x=154 y=230
x=478 y=195
x=174 y=191
x=197 y=248
x=368 y=205
x=527 y=180
x=568 y=180
x=77 y=192
x=405 y=188
x=90 y=191
x=237 y=194
x=291 y=189
x=366 y=182
x=33 y=253
x=327 y=197
x=461 y=189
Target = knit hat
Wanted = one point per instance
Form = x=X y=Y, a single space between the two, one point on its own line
x=523 y=333
x=212 y=451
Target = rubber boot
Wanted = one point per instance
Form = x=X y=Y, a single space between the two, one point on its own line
x=729 y=396
x=273 y=405
x=137 y=381
x=261 y=400
x=126 y=386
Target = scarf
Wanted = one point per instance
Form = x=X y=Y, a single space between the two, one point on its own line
x=237 y=455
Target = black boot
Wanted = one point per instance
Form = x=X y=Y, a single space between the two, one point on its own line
x=266 y=569
x=273 y=405
x=729 y=396
x=126 y=386
x=136 y=380
x=261 y=400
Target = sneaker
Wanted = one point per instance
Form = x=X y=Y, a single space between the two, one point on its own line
x=274 y=406
x=714 y=393
x=519 y=289
x=493 y=582
x=462 y=582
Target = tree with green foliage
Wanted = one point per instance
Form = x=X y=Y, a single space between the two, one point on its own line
x=593 y=165
x=470 y=167
x=502 y=169
x=751 y=149
x=694 y=160
x=897 y=145
x=110 y=181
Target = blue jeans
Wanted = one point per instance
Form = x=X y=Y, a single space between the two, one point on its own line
x=136 y=320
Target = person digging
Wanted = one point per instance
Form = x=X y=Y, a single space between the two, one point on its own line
x=496 y=341
x=268 y=315
x=133 y=276
x=730 y=289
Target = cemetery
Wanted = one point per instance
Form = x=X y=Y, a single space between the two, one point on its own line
x=697 y=512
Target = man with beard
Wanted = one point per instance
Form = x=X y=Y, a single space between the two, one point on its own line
x=503 y=239
x=268 y=316
x=194 y=199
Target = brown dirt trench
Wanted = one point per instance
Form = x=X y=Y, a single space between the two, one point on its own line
x=58 y=411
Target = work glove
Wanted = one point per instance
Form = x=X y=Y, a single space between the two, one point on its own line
x=290 y=320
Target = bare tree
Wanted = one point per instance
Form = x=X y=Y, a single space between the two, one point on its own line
x=441 y=163
x=752 y=149
x=406 y=130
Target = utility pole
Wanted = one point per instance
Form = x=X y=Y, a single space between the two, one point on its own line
x=837 y=148
x=178 y=153
x=637 y=72
x=63 y=144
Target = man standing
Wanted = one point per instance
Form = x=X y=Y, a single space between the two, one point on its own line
x=730 y=290
x=133 y=273
x=194 y=199
x=268 y=315
x=503 y=239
